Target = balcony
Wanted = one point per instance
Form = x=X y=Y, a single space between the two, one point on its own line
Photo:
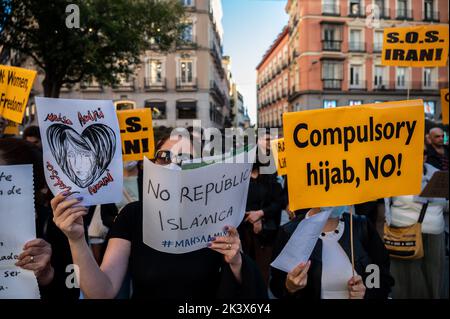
x=384 y=13
x=124 y=86
x=91 y=86
x=331 y=10
x=331 y=45
x=382 y=86
x=332 y=84
x=377 y=47
x=356 y=46
x=217 y=93
x=404 y=14
x=155 y=85
x=186 y=85
x=360 y=86
x=431 y=16
x=187 y=43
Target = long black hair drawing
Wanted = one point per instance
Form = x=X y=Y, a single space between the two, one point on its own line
x=82 y=158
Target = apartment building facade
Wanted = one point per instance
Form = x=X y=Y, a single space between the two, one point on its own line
x=187 y=84
x=335 y=53
x=273 y=82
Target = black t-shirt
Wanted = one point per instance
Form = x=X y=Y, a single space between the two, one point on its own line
x=199 y=274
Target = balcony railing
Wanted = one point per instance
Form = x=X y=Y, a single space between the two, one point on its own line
x=382 y=86
x=330 y=10
x=404 y=14
x=431 y=16
x=361 y=85
x=215 y=90
x=151 y=84
x=377 y=47
x=331 y=45
x=356 y=46
x=332 y=84
x=186 y=84
x=384 y=13
x=190 y=43
x=124 y=86
x=89 y=86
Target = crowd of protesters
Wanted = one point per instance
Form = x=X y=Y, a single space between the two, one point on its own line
x=105 y=242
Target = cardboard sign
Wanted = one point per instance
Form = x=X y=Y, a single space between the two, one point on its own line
x=417 y=46
x=12 y=128
x=184 y=209
x=437 y=187
x=17 y=226
x=444 y=105
x=349 y=155
x=15 y=87
x=136 y=132
x=279 y=155
x=82 y=148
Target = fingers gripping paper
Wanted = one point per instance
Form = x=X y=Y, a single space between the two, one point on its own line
x=17 y=226
x=184 y=209
x=82 y=148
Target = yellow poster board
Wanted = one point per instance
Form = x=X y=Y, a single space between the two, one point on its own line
x=15 y=86
x=136 y=132
x=350 y=155
x=417 y=46
x=12 y=128
x=444 y=106
x=278 y=151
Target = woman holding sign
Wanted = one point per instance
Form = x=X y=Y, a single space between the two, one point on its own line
x=328 y=274
x=218 y=271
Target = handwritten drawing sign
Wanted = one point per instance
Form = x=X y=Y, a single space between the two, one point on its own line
x=17 y=226
x=349 y=155
x=279 y=155
x=82 y=148
x=444 y=105
x=136 y=131
x=15 y=87
x=417 y=46
x=184 y=209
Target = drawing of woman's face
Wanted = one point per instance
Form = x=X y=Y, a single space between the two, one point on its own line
x=81 y=162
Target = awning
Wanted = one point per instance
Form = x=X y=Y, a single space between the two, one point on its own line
x=187 y=105
x=160 y=105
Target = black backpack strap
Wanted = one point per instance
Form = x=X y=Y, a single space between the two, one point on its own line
x=422 y=212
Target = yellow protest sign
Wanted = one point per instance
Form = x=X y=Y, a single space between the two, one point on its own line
x=279 y=155
x=11 y=128
x=136 y=132
x=15 y=87
x=444 y=105
x=418 y=46
x=349 y=155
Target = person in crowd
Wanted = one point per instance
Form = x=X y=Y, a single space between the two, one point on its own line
x=328 y=273
x=263 y=214
x=419 y=278
x=437 y=151
x=219 y=270
x=33 y=135
x=48 y=255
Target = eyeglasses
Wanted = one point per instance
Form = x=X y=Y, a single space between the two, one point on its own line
x=163 y=157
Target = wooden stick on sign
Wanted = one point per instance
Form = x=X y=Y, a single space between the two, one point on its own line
x=351 y=240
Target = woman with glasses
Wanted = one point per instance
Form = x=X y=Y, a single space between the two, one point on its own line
x=220 y=270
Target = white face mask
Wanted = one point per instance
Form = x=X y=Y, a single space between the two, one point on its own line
x=173 y=167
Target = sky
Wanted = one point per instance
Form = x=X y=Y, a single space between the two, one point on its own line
x=250 y=27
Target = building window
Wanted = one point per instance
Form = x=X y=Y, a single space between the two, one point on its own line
x=332 y=74
x=188 y=32
x=330 y=7
x=403 y=11
x=355 y=102
x=430 y=13
x=328 y=104
x=186 y=110
x=378 y=80
x=186 y=71
x=382 y=9
x=331 y=37
x=356 y=43
x=188 y=3
x=377 y=41
x=430 y=108
x=124 y=105
x=428 y=82
x=154 y=71
x=401 y=78
x=158 y=109
x=355 y=8
x=356 y=76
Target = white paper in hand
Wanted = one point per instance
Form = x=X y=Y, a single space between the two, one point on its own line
x=301 y=244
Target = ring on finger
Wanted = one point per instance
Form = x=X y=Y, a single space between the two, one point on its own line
x=32 y=259
x=229 y=246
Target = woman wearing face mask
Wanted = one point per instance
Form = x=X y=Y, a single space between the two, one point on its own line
x=220 y=270
x=328 y=274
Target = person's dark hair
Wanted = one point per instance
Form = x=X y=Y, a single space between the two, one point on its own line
x=32 y=131
x=164 y=136
x=19 y=152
